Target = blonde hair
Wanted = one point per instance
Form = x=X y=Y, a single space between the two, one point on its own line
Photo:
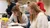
x=15 y=9
x=35 y=7
x=19 y=17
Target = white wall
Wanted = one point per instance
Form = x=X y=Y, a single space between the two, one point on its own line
x=48 y=12
x=3 y=6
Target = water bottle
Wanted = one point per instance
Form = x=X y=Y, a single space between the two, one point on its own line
x=4 y=23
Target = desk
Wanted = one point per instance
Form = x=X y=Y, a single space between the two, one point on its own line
x=15 y=27
x=10 y=26
x=20 y=26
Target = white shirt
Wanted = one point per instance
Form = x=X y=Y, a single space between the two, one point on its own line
x=24 y=8
x=24 y=18
x=25 y=5
x=41 y=21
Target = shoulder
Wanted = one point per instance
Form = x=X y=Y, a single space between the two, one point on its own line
x=41 y=16
x=24 y=15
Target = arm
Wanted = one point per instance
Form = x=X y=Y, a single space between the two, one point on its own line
x=10 y=19
x=13 y=18
x=25 y=19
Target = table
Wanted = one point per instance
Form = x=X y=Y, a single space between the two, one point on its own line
x=15 y=27
x=22 y=27
x=10 y=26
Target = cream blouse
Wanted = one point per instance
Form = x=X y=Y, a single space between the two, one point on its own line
x=41 y=21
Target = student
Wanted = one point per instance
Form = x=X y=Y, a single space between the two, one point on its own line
x=38 y=19
x=18 y=16
x=10 y=5
x=41 y=5
x=24 y=7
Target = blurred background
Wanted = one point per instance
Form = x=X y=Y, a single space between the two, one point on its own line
x=3 y=5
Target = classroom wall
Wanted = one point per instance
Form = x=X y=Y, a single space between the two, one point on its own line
x=3 y=6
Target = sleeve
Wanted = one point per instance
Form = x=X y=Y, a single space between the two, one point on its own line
x=25 y=19
x=11 y=18
x=42 y=22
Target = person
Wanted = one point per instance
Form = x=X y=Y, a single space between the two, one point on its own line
x=18 y=16
x=41 y=5
x=10 y=5
x=24 y=7
x=38 y=19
